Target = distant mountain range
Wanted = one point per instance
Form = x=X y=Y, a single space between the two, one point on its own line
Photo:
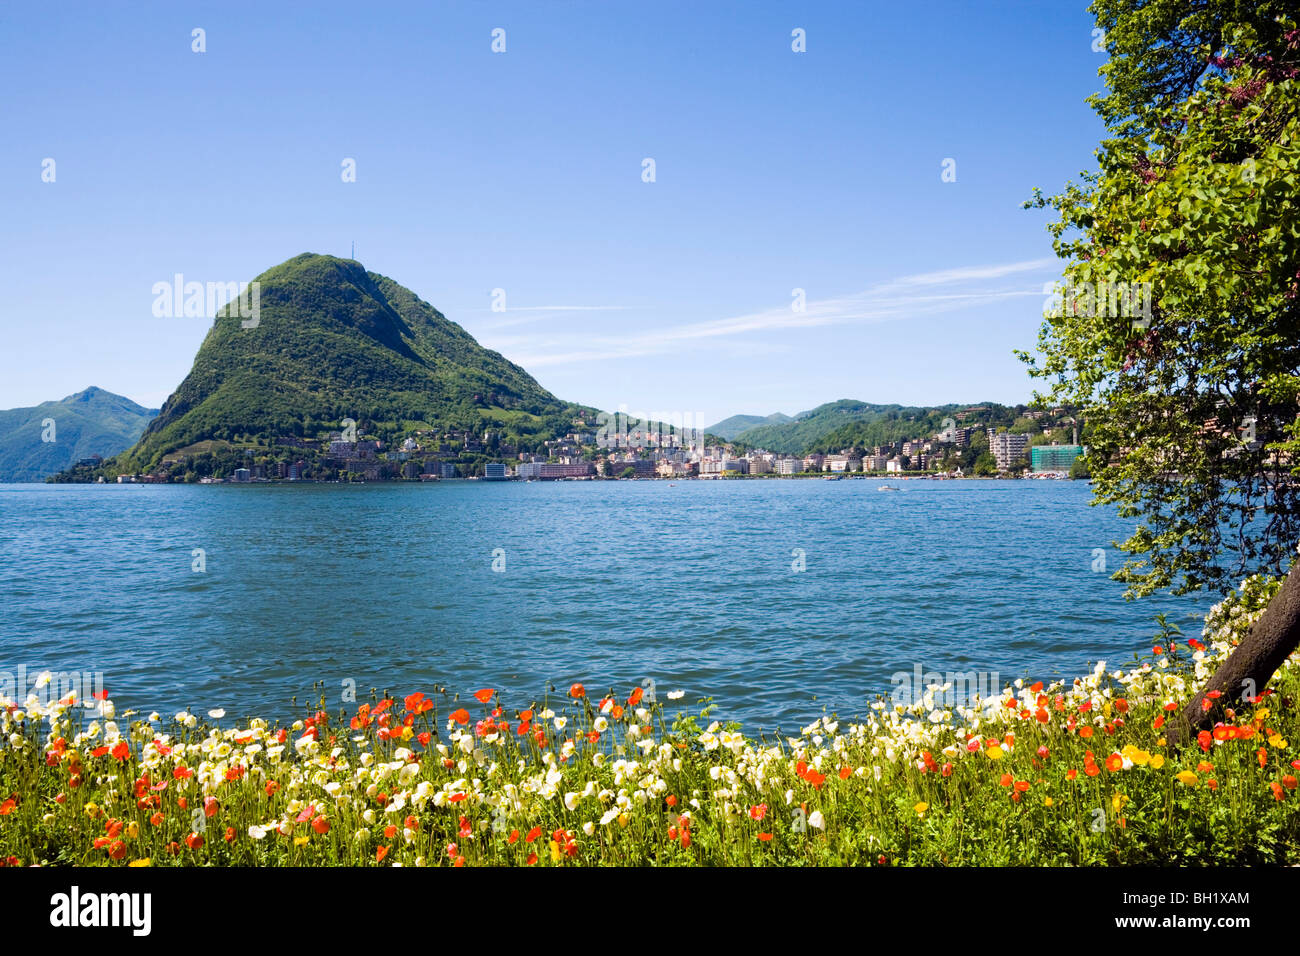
x=847 y=423
x=337 y=349
x=91 y=422
x=729 y=428
x=334 y=342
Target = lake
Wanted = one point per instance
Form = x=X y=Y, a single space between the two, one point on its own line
x=780 y=599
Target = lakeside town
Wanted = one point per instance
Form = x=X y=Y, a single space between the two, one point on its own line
x=623 y=447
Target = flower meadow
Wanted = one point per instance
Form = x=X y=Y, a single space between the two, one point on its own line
x=1058 y=774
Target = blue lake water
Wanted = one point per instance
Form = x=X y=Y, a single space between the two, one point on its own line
x=689 y=584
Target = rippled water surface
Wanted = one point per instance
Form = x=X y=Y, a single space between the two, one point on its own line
x=691 y=584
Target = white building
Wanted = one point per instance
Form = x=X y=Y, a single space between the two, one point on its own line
x=1007 y=448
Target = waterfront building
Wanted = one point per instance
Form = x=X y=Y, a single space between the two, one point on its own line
x=1053 y=457
x=1007 y=447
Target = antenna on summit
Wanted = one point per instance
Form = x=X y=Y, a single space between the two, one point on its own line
x=354 y=250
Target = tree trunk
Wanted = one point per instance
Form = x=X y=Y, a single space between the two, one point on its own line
x=1244 y=675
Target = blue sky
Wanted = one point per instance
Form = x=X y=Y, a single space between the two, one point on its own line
x=522 y=171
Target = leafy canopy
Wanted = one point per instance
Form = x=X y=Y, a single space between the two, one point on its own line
x=1190 y=407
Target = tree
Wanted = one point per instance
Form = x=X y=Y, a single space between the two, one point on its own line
x=1177 y=334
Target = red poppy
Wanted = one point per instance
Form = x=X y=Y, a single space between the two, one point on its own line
x=460 y=716
x=380 y=853
x=194 y=841
x=484 y=695
x=577 y=690
x=417 y=703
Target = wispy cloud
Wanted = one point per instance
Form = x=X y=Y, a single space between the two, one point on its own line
x=919 y=294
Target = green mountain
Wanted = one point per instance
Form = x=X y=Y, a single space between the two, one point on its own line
x=334 y=342
x=91 y=422
x=847 y=423
x=729 y=428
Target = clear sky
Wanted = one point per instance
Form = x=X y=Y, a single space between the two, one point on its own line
x=522 y=170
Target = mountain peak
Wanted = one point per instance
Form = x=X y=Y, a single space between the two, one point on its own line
x=334 y=341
